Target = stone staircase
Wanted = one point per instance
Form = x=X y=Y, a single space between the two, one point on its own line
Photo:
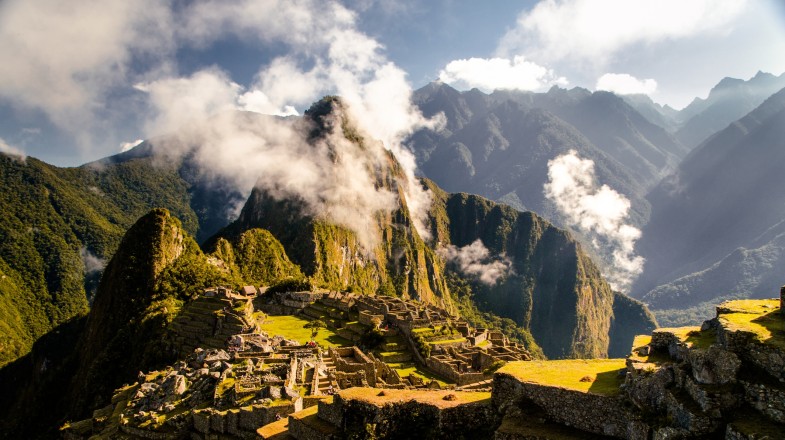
x=324 y=383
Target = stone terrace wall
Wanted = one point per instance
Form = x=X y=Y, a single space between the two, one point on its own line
x=400 y=419
x=573 y=408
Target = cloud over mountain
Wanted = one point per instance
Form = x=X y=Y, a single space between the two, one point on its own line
x=599 y=212
x=626 y=84
x=489 y=74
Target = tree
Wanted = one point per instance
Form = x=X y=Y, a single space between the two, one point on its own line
x=315 y=326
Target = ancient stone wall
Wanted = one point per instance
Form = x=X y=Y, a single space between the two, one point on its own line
x=604 y=415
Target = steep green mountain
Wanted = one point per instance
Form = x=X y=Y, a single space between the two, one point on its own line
x=60 y=225
x=156 y=268
x=716 y=229
x=553 y=289
x=728 y=101
x=255 y=256
x=332 y=255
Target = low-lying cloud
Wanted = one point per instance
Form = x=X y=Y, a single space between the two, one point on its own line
x=489 y=74
x=626 y=84
x=92 y=263
x=10 y=150
x=475 y=260
x=327 y=55
x=597 y=211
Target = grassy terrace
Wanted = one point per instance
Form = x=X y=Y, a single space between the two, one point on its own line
x=406 y=368
x=291 y=327
x=380 y=398
x=603 y=374
x=692 y=336
x=761 y=317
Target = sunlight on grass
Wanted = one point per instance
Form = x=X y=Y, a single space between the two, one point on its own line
x=291 y=327
x=759 y=317
x=603 y=374
x=406 y=368
x=435 y=398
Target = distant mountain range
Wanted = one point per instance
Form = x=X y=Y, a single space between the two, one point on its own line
x=718 y=221
x=700 y=181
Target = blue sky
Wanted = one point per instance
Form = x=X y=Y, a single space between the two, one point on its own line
x=79 y=82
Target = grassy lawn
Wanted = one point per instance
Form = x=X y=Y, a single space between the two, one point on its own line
x=406 y=368
x=603 y=374
x=447 y=341
x=760 y=317
x=291 y=327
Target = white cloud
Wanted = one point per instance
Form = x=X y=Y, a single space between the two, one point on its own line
x=489 y=74
x=125 y=146
x=186 y=102
x=475 y=260
x=600 y=212
x=10 y=150
x=326 y=55
x=92 y=263
x=63 y=58
x=592 y=31
x=625 y=84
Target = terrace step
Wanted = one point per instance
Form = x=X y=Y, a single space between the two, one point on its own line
x=306 y=424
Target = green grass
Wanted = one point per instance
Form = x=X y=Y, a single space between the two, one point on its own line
x=406 y=368
x=603 y=374
x=447 y=341
x=762 y=318
x=436 y=398
x=291 y=327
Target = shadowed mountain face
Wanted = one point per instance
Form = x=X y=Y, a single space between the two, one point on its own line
x=728 y=101
x=716 y=228
x=498 y=145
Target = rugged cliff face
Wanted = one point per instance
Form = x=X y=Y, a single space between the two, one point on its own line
x=553 y=289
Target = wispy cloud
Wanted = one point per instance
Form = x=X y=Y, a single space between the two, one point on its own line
x=10 y=150
x=597 y=211
x=327 y=55
x=125 y=146
x=594 y=32
x=475 y=260
x=625 y=84
x=63 y=59
x=92 y=263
